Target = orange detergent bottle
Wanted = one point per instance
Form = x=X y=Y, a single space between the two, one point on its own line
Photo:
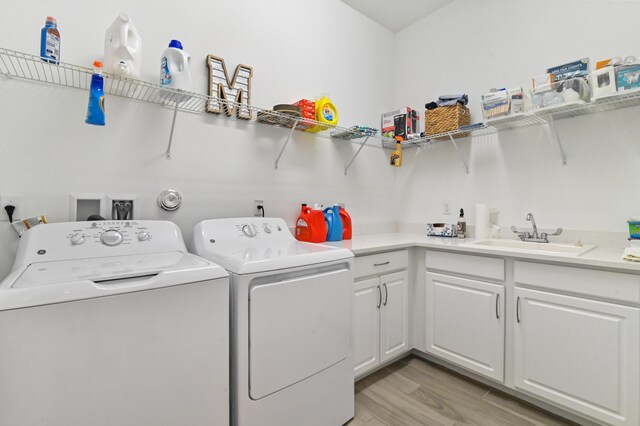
x=346 y=223
x=311 y=226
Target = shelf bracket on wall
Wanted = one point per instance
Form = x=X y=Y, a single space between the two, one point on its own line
x=286 y=141
x=555 y=136
x=173 y=126
x=464 y=162
x=346 y=169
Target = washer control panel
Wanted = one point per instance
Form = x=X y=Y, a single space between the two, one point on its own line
x=83 y=240
x=110 y=233
x=259 y=229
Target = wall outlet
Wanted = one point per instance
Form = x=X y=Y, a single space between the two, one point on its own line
x=258 y=206
x=10 y=200
x=446 y=207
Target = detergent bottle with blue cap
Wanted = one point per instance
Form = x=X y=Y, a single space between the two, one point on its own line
x=334 y=223
x=175 y=68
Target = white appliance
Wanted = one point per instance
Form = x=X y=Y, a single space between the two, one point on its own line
x=291 y=345
x=113 y=323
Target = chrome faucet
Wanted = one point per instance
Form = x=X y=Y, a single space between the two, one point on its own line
x=534 y=237
x=533 y=223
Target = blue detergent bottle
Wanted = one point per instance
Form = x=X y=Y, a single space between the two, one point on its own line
x=95 y=109
x=334 y=223
x=50 y=41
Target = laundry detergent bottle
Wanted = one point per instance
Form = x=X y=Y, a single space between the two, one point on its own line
x=175 y=68
x=334 y=223
x=123 y=48
x=95 y=109
x=50 y=41
x=311 y=226
x=346 y=223
x=326 y=112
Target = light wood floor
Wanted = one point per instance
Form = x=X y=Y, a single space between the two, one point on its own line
x=413 y=392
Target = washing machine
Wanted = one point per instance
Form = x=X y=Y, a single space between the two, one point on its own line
x=291 y=308
x=113 y=323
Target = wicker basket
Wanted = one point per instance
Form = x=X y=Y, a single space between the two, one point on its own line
x=446 y=119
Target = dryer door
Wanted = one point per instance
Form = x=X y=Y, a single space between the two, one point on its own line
x=297 y=328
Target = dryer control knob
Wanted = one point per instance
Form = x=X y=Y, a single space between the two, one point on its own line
x=143 y=236
x=77 y=239
x=249 y=231
x=111 y=237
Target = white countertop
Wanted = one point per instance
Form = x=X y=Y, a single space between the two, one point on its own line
x=600 y=257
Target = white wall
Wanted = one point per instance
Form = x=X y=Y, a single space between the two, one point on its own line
x=470 y=46
x=297 y=48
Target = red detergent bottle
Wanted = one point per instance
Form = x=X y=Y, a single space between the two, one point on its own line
x=310 y=226
x=346 y=223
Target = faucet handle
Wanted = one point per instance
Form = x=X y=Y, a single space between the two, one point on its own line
x=523 y=235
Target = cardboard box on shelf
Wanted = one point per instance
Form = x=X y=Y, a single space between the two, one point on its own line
x=400 y=122
x=628 y=77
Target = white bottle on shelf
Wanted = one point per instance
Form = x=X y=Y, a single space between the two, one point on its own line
x=123 y=48
x=175 y=68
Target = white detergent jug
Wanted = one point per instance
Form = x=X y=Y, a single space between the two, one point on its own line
x=175 y=68
x=123 y=48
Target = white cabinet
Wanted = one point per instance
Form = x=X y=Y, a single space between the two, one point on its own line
x=381 y=322
x=465 y=323
x=579 y=353
x=394 y=315
x=366 y=325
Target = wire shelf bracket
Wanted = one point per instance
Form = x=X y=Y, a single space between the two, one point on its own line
x=455 y=145
x=173 y=126
x=346 y=169
x=556 y=137
x=286 y=141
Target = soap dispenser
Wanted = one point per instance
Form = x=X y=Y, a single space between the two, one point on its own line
x=461 y=227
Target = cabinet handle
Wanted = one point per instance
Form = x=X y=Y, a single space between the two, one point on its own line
x=518 y=309
x=379 y=297
x=386 y=294
x=381 y=264
x=498 y=306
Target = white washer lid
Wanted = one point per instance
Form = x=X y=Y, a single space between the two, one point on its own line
x=43 y=283
x=250 y=257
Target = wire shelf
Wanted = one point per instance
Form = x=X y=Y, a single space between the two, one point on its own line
x=477 y=129
x=514 y=121
x=14 y=64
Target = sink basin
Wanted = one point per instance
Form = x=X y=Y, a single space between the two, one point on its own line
x=529 y=247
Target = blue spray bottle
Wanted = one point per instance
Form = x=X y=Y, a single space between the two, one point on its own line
x=334 y=223
x=95 y=109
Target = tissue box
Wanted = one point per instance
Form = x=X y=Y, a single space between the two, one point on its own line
x=444 y=230
x=628 y=77
x=495 y=104
x=634 y=229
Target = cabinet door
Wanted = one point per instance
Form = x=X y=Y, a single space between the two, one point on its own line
x=579 y=353
x=465 y=323
x=394 y=315
x=366 y=325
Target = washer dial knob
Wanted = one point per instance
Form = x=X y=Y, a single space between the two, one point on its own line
x=77 y=239
x=249 y=230
x=111 y=237
x=143 y=236
x=267 y=229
